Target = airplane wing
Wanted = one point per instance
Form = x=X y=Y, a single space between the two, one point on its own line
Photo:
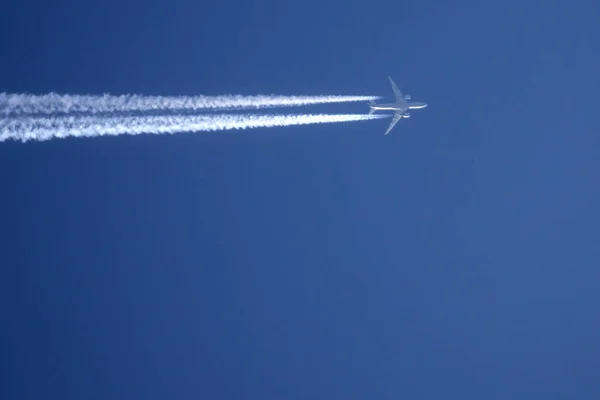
x=395 y=120
x=397 y=92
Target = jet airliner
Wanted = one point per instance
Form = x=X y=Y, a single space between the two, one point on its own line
x=401 y=106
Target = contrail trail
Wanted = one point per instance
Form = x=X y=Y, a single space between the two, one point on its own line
x=52 y=103
x=46 y=128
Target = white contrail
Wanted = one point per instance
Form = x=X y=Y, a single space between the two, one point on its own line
x=46 y=128
x=21 y=104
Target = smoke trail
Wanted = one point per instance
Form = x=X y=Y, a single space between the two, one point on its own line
x=21 y=104
x=46 y=128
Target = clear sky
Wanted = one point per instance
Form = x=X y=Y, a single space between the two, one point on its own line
x=456 y=258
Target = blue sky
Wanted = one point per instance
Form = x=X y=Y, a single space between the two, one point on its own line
x=456 y=257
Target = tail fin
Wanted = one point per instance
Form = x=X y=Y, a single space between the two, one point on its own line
x=371 y=109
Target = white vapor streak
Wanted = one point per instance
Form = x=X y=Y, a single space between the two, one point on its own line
x=46 y=128
x=21 y=104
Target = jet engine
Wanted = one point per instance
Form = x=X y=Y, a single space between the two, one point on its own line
x=407 y=97
x=405 y=115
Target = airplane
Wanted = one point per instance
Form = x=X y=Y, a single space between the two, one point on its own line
x=401 y=106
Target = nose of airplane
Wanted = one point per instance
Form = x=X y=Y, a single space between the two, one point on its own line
x=417 y=105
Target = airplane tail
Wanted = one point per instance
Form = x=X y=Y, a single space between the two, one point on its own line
x=371 y=109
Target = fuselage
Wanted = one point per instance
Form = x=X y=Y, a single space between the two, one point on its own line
x=409 y=105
